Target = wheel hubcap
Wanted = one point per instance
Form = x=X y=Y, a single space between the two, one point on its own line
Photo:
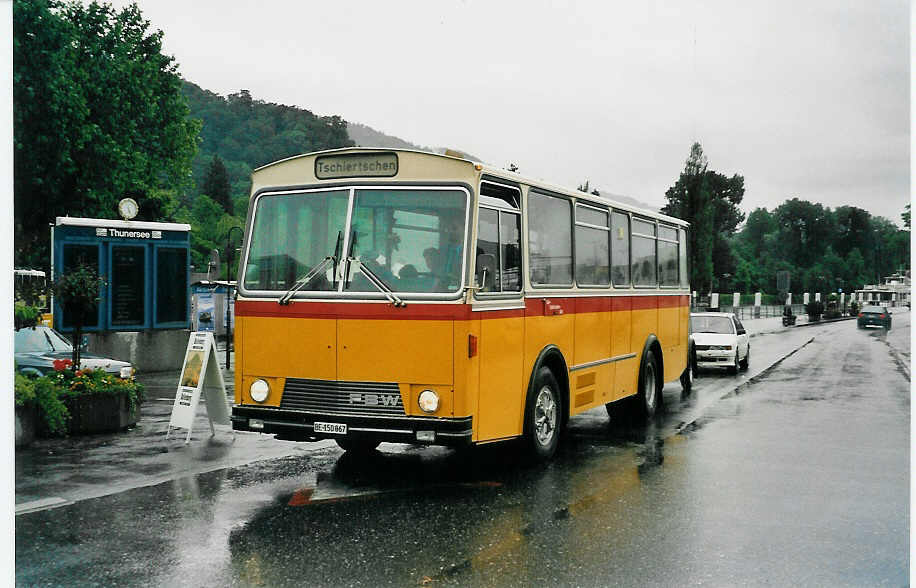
x=545 y=416
x=649 y=390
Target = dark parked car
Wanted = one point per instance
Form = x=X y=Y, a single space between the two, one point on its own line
x=38 y=349
x=877 y=316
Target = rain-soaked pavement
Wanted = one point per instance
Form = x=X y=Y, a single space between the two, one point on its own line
x=795 y=473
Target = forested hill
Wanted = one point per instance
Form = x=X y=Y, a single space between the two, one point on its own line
x=247 y=133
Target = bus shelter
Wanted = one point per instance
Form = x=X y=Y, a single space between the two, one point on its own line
x=146 y=267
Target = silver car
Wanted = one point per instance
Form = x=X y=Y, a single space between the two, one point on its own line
x=38 y=349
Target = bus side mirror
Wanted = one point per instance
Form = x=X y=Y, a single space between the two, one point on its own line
x=486 y=271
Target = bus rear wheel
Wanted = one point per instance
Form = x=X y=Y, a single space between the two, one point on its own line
x=357 y=445
x=542 y=415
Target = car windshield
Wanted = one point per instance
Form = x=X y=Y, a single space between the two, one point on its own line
x=40 y=339
x=712 y=324
x=875 y=309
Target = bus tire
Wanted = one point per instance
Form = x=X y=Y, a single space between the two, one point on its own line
x=357 y=445
x=542 y=415
x=649 y=396
x=689 y=372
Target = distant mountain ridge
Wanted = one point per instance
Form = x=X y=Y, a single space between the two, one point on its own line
x=366 y=136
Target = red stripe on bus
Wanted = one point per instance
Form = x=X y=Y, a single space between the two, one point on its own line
x=547 y=306
x=353 y=310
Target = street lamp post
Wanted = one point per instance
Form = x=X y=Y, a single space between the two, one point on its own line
x=229 y=286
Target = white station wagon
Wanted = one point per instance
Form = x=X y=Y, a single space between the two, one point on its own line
x=720 y=340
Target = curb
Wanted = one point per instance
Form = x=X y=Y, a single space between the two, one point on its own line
x=683 y=428
x=752 y=380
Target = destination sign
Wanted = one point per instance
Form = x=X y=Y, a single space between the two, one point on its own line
x=359 y=165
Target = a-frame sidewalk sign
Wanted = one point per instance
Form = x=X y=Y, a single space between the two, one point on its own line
x=200 y=374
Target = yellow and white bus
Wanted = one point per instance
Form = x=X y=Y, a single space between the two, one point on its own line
x=402 y=296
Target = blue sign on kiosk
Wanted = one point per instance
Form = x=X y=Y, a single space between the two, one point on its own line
x=146 y=266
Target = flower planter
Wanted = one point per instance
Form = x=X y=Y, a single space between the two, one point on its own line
x=100 y=413
x=26 y=424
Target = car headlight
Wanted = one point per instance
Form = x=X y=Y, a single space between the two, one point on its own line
x=259 y=390
x=428 y=401
x=126 y=372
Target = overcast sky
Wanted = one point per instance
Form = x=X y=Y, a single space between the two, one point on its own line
x=804 y=99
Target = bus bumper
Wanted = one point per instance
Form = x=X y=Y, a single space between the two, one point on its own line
x=295 y=425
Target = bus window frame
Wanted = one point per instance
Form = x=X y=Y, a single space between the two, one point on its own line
x=633 y=233
x=676 y=241
x=571 y=285
x=629 y=216
x=340 y=294
x=506 y=208
x=607 y=229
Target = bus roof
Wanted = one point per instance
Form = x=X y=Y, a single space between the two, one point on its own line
x=487 y=170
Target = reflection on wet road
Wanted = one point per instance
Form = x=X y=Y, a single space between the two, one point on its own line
x=799 y=478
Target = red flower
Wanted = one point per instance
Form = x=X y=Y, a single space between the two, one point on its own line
x=62 y=364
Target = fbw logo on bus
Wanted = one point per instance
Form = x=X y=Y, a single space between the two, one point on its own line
x=375 y=399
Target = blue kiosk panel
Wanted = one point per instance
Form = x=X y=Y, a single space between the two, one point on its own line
x=146 y=266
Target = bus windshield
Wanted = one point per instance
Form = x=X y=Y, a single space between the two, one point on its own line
x=410 y=239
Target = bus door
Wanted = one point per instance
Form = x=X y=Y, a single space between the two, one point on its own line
x=500 y=309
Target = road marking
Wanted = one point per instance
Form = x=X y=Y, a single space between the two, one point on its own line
x=43 y=504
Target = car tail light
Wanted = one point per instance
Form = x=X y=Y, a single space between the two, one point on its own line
x=861 y=314
x=880 y=316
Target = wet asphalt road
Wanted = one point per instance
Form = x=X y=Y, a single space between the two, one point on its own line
x=800 y=476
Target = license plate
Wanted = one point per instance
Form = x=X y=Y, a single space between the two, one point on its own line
x=335 y=428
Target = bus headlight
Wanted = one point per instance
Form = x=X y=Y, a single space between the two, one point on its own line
x=428 y=401
x=259 y=390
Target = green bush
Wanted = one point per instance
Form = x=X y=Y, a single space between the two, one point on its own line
x=814 y=309
x=23 y=390
x=25 y=316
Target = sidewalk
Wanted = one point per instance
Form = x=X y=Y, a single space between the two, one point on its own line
x=55 y=472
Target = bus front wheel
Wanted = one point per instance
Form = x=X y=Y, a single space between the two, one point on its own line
x=542 y=415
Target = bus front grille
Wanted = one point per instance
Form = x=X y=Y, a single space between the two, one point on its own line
x=381 y=398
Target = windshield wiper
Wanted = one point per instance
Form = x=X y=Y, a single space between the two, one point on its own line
x=314 y=272
x=45 y=333
x=378 y=283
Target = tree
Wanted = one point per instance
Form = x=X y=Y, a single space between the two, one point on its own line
x=77 y=291
x=98 y=114
x=853 y=229
x=805 y=231
x=709 y=201
x=905 y=215
x=855 y=274
x=216 y=184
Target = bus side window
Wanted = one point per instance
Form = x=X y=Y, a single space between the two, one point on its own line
x=620 y=249
x=549 y=240
x=644 y=259
x=488 y=250
x=498 y=251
